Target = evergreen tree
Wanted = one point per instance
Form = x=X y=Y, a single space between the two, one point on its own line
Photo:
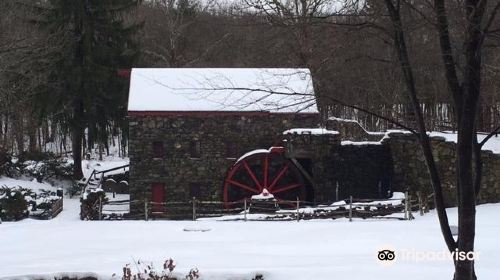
x=90 y=43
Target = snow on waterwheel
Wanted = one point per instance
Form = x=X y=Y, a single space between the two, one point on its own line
x=264 y=169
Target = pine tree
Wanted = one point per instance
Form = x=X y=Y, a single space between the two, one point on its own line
x=90 y=42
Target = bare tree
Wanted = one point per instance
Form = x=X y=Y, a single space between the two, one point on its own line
x=465 y=91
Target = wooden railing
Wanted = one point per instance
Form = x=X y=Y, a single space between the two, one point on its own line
x=95 y=173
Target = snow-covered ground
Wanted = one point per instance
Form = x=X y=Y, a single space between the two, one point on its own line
x=107 y=163
x=317 y=249
x=493 y=144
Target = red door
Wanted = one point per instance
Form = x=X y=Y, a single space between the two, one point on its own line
x=158 y=196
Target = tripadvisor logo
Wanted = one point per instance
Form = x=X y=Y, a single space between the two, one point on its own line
x=386 y=255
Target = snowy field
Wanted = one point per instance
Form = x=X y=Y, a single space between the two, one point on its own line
x=224 y=250
x=318 y=249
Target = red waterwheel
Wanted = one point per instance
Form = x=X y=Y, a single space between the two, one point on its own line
x=264 y=169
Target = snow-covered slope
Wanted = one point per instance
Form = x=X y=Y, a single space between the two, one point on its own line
x=32 y=185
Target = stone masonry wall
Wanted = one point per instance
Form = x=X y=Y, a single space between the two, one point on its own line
x=410 y=171
x=177 y=170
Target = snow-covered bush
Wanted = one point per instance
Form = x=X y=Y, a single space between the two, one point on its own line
x=8 y=166
x=147 y=271
x=41 y=166
x=35 y=156
x=258 y=277
x=17 y=203
x=50 y=167
x=13 y=204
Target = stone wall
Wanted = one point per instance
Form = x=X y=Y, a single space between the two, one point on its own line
x=409 y=168
x=410 y=171
x=178 y=170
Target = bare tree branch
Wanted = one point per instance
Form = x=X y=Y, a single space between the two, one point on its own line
x=488 y=137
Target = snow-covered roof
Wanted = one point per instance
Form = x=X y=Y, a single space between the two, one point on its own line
x=276 y=90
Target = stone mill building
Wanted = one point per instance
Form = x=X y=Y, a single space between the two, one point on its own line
x=227 y=134
x=188 y=126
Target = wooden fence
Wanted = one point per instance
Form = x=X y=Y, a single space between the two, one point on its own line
x=50 y=213
x=288 y=210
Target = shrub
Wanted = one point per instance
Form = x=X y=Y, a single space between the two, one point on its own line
x=7 y=167
x=35 y=156
x=75 y=188
x=13 y=204
x=48 y=168
x=147 y=271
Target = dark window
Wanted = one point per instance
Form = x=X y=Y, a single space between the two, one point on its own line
x=194 y=190
x=158 y=149
x=231 y=150
x=195 y=149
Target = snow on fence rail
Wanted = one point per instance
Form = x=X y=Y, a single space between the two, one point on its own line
x=288 y=210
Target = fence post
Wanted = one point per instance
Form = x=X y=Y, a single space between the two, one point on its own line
x=100 y=208
x=194 y=208
x=350 y=208
x=410 y=214
x=245 y=208
x=336 y=190
x=426 y=203
x=298 y=206
x=406 y=206
x=146 y=209
x=420 y=203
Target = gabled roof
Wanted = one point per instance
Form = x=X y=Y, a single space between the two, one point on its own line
x=275 y=90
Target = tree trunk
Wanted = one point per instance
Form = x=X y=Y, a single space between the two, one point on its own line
x=76 y=139
x=19 y=132
x=407 y=70
x=32 y=138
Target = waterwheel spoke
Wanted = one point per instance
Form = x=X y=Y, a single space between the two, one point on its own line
x=243 y=186
x=278 y=177
x=252 y=175
x=286 y=188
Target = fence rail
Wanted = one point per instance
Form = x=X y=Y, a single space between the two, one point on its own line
x=51 y=212
x=288 y=209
